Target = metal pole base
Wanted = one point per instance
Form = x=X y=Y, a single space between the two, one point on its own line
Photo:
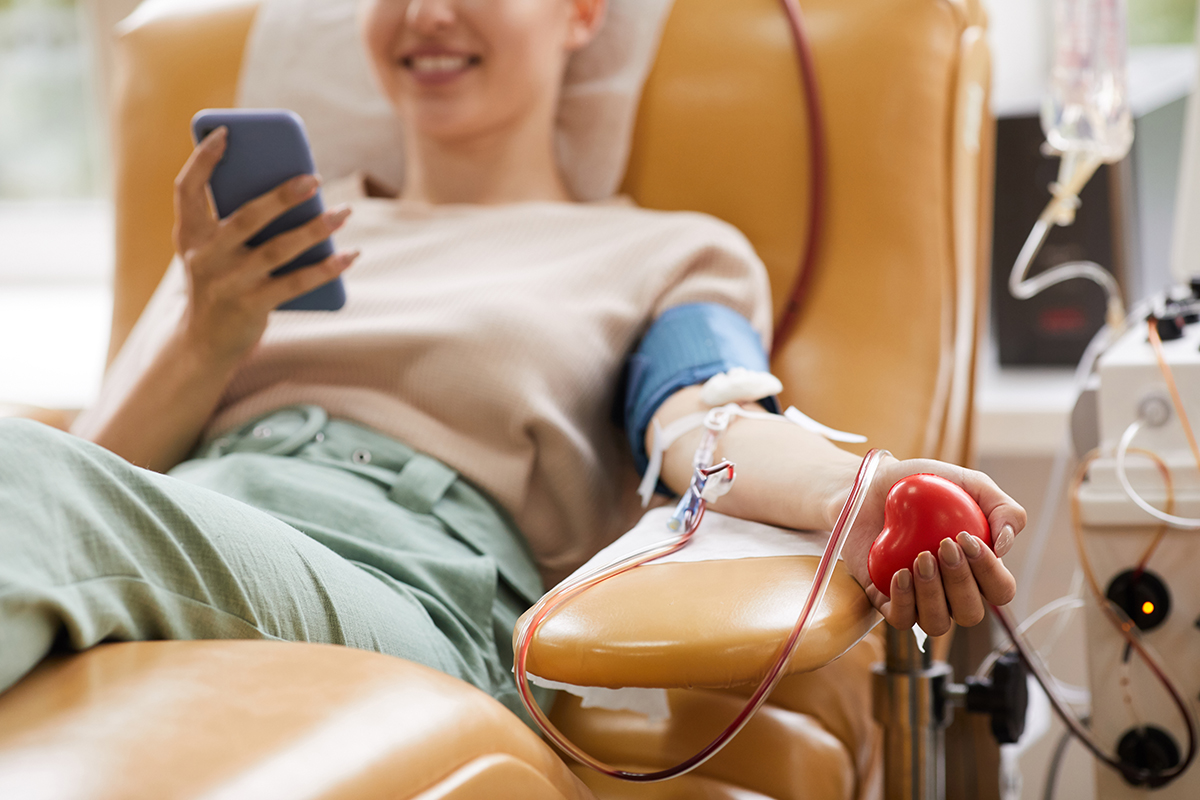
x=910 y=704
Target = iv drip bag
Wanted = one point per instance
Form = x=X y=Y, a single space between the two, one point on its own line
x=1086 y=112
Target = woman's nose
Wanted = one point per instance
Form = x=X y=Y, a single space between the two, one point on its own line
x=427 y=16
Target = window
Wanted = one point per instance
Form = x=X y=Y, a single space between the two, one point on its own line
x=48 y=144
x=55 y=222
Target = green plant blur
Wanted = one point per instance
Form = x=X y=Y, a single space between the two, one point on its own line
x=1161 y=21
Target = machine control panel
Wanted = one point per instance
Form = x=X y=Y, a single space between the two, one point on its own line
x=1149 y=577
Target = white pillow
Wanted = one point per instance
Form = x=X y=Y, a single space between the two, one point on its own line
x=306 y=55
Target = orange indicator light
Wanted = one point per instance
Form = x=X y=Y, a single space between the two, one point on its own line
x=1147 y=608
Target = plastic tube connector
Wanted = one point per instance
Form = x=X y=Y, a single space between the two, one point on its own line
x=1154 y=410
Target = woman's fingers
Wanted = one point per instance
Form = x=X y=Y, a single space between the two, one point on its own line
x=1002 y=542
x=283 y=288
x=915 y=598
x=932 y=612
x=995 y=582
x=281 y=249
x=256 y=214
x=901 y=609
x=1006 y=518
x=962 y=593
x=956 y=585
x=194 y=221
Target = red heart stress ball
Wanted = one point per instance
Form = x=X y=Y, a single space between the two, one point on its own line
x=920 y=511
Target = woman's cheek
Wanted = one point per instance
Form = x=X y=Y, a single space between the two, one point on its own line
x=380 y=23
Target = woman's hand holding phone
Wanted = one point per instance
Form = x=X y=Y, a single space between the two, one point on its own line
x=231 y=293
x=231 y=290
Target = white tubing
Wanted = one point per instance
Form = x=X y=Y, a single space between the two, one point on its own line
x=1181 y=523
x=1061 y=210
x=1066 y=603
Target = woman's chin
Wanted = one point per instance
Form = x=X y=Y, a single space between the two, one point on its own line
x=444 y=123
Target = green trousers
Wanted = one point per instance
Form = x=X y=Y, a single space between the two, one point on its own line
x=297 y=528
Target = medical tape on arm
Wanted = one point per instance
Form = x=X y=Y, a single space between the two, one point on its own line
x=665 y=437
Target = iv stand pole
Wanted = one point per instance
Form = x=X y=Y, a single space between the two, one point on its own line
x=910 y=700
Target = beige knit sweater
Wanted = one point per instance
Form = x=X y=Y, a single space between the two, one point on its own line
x=490 y=337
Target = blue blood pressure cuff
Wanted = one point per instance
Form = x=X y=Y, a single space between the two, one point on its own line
x=685 y=346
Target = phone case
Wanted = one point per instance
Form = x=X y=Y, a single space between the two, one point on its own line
x=265 y=148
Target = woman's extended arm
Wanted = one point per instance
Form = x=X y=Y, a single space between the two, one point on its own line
x=160 y=419
x=230 y=294
x=790 y=477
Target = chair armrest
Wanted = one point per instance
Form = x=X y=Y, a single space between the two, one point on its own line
x=60 y=418
x=707 y=624
x=257 y=719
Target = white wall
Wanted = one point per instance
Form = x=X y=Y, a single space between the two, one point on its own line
x=1020 y=33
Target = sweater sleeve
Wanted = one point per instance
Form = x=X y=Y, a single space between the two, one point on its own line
x=722 y=268
x=704 y=322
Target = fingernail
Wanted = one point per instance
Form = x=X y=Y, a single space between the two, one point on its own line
x=969 y=544
x=926 y=565
x=304 y=186
x=337 y=215
x=349 y=258
x=1004 y=541
x=949 y=552
x=904 y=580
x=217 y=136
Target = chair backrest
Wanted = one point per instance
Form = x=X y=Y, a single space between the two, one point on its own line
x=886 y=340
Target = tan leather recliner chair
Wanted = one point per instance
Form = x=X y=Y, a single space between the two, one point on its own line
x=885 y=346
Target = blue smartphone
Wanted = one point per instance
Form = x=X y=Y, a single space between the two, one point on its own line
x=266 y=147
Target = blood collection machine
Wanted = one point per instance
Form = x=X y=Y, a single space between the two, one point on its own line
x=1144 y=566
x=1136 y=496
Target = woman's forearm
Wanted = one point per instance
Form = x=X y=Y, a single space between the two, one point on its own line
x=161 y=419
x=786 y=475
x=789 y=477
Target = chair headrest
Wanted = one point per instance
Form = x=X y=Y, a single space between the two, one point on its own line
x=306 y=55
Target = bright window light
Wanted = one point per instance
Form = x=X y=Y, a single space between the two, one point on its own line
x=55 y=223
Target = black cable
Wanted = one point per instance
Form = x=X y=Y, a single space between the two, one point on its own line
x=1137 y=776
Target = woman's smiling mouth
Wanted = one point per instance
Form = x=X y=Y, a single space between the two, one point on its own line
x=438 y=67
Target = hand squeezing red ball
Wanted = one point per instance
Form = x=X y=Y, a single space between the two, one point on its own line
x=928 y=541
x=920 y=511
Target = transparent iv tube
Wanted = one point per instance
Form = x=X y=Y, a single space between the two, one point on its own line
x=1086 y=118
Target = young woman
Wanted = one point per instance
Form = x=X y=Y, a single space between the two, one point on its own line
x=403 y=475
